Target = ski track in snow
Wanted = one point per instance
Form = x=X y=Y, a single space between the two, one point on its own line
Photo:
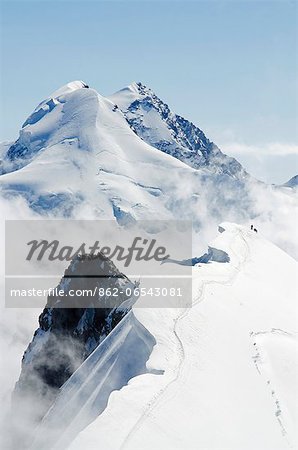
x=258 y=359
x=158 y=397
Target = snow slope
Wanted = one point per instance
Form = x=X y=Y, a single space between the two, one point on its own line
x=230 y=363
x=121 y=356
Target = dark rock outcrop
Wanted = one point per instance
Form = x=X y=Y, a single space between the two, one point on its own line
x=185 y=141
x=70 y=328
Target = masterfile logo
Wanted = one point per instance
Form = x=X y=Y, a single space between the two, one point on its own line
x=154 y=256
x=140 y=249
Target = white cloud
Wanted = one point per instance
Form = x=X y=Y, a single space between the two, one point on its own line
x=268 y=149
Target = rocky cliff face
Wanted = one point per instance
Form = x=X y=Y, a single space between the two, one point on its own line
x=67 y=335
x=153 y=121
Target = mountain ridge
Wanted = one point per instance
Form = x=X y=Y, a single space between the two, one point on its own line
x=184 y=140
x=232 y=349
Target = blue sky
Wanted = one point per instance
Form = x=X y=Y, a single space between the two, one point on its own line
x=229 y=66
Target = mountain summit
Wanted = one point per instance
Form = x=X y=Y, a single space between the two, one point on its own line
x=124 y=156
x=153 y=121
x=147 y=115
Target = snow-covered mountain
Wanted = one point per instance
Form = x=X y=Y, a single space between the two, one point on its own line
x=82 y=155
x=223 y=374
x=153 y=121
x=76 y=150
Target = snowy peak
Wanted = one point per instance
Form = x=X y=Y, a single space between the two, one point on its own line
x=71 y=111
x=69 y=87
x=136 y=91
x=130 y=93
x=77 y=148
x=67 y=115
x=153 y=121
x=54 y=99
x=140 y=88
